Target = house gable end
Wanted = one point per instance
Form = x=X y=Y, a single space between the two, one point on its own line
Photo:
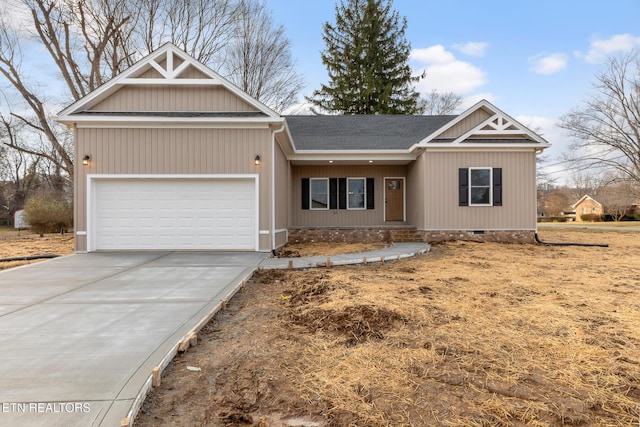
x=166 y=80
x=481 y=125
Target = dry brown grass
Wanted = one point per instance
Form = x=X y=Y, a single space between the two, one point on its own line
x=470 y=334
x=25 y=243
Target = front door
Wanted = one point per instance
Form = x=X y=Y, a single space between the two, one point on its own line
x=394 y=199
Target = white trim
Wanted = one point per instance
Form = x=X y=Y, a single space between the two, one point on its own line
x=404 y=196
x=311 y=208
x=444 y=147
x=128 y=77
x=90 y=196
x=541 y=142
x=490 y=169
x=154 y=122
x=281 y=230
x=273 y=184
x=264 y=232
x=81 y=233
x=169 y=80
x=364 y=180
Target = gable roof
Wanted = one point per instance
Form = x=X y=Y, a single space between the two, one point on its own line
x=362 y=132
x=403 y=134
x=583 y=198
x=168 y=66
x=498 y=125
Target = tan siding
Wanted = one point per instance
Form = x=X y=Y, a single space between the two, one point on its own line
x=173 y=151
x=173 y=98
x=416 y=189
x=151 y=73
x=282 y=196
x=192 y=73
x=519 y=192
x=341 y=217
x=466 y=124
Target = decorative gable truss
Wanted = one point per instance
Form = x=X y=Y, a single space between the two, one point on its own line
x=494 y=128
x=168 y=68
x=171 y=67
x=498 y=125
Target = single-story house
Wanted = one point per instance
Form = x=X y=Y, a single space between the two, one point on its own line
x=170 y=155
x=587 y=206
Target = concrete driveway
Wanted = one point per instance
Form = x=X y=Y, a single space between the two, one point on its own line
x=80 y=335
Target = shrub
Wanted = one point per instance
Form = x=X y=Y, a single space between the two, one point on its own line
x=48 y=214
x=553 y=219
x=591 y=218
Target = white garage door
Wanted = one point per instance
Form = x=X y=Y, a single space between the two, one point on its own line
x=182 y=214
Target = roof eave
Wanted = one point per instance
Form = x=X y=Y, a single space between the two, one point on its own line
x=160 y=121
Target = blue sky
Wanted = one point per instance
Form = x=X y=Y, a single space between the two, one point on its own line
x=533 y=59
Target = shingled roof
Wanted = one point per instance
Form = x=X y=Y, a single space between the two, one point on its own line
x=362 y=132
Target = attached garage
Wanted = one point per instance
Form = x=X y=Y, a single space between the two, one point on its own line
x=172 y=213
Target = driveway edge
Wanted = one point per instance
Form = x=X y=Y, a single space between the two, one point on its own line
x=218 y=304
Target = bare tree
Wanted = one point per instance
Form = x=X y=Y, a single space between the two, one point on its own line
x=437 y=103
x=607 y=128
x=618 y=199
x=259 y=59
x=91 y=41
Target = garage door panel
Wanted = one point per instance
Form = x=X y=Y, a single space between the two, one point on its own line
x=174 y=214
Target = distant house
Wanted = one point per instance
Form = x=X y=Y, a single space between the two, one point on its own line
x=587 y=206
x=173 y=156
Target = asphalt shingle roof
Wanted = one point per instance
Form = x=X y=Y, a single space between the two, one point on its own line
x=362 y=132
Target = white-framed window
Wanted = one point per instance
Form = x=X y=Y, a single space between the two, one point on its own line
x=356 y=193
x=319 y=194
x=480 y=185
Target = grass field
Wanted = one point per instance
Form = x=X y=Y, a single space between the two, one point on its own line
x=470 y=334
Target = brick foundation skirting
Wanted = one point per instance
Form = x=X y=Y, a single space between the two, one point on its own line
x=372 y=235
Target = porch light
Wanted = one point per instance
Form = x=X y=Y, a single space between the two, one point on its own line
x=257 y=160
x=85 y=159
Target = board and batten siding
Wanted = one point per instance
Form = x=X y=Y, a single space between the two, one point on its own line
x=173 y=98
x=167 y=151
x=341 y=217
x=465 y=124
x=282 y=174
x=518 y=211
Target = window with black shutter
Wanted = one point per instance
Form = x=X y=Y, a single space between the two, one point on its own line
x=480 y=186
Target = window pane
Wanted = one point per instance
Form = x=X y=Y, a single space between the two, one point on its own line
x=481 y=177
x=356 y=193
x=480 y=195
x=319 y=194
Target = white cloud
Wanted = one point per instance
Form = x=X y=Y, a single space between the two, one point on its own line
x=600 y=49
x=549 y=64
x=436 y=54
x=445 y=73
x=472 y=48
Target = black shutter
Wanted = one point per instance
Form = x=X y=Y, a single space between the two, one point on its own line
x=463 y=187
x=305 y=193
x=497 y=186
x=370 y=195
x=342 y=193
x=333 y=193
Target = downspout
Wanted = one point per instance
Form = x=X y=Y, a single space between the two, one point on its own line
x=273 y=185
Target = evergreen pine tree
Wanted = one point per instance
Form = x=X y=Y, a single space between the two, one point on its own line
x=366 y=57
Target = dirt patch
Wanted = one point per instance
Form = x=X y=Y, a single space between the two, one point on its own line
x=470 y=334
x=14 y=244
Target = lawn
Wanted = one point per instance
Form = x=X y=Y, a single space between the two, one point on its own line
x=22 y=243
x=475 y=334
